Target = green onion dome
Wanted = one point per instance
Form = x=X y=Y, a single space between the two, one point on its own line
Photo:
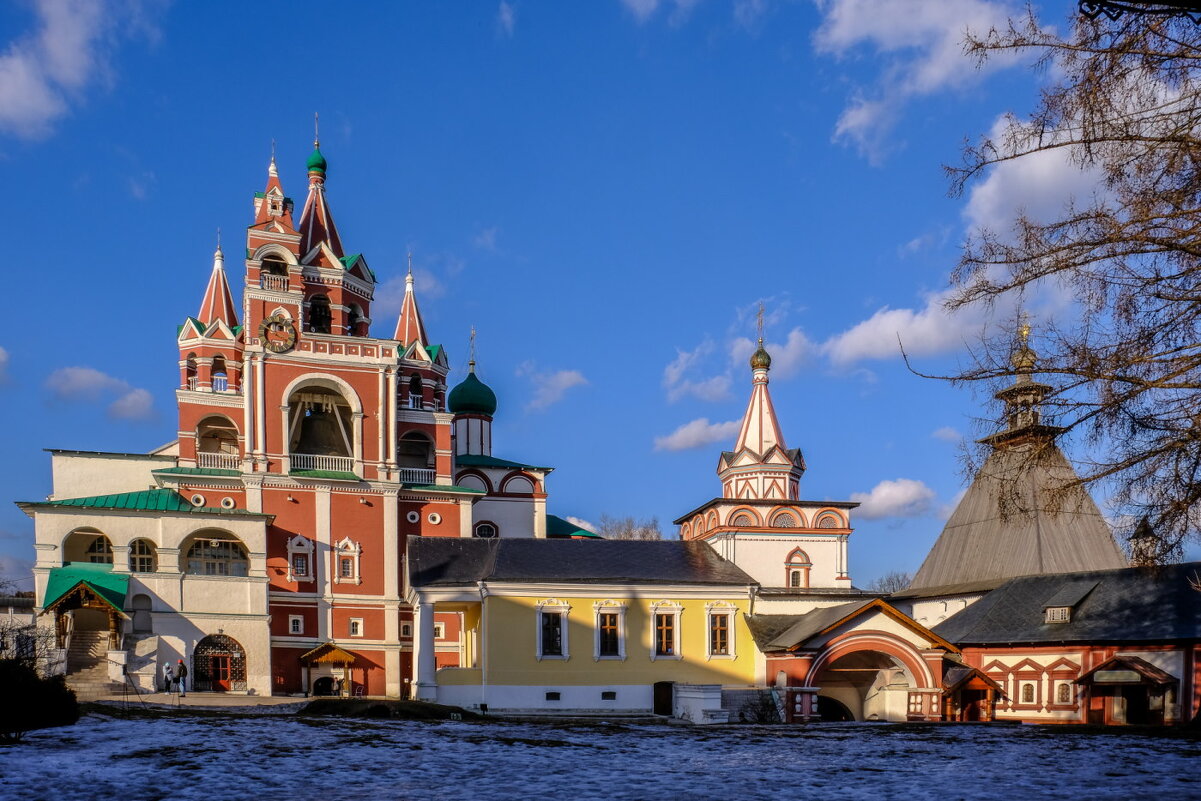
x=760 y=360
x=472 y=396
x=316 y=162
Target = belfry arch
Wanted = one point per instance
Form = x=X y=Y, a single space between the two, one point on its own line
x=322 y=424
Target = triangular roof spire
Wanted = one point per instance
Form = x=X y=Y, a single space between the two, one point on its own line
x=410 y=328
x=218 y=303
x=316 y=221
x=273 y=204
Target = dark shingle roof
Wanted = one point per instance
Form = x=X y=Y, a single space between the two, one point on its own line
x=445 y=561
x=1128 y=605
x=788 y=630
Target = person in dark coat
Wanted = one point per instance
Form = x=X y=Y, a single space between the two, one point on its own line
x=168 y=678
x=181 y=676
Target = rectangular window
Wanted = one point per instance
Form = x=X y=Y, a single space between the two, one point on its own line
x=295 y=624
x=719 y=635
x=356 y=627
x=346 y=567
x=439 y=631
x=406 y=630
x=665 y=635
x=610 y=642
x=300 y=564
x=552 y=633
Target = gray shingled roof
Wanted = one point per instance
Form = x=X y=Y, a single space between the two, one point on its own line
x=444 y=561
x=1129 y=605
x=1010 y=524
x=777 y=632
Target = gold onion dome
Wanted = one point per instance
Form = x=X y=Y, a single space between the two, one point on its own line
x=760 y=359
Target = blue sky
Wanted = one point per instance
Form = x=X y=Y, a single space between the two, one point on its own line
x=604 y=190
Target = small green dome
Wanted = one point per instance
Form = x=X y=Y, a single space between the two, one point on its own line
x=472 y=395
x=316 y=162
x=760 y=359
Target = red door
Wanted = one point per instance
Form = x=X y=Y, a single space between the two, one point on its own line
x=220 y=672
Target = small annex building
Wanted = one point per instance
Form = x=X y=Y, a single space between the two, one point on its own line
x=600 y=626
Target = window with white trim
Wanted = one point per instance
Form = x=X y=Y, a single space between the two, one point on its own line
x=347 y=555
x=665 y=630
x=300 y=558
x=552 y=629
x=439 y=631
x=406 y=630
x=720 y=629
x=356 y=627
x=295 y=624
x=610 y=639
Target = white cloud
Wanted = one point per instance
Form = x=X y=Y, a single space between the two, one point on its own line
x=645 y=9
x=88 y=385
x=486 y=239
x=679 y=385
x=582 y=523
x=925 y=331
x=904 y=497
x=920 y=47
x=696 y=434
x=3 y=363
x=43 y=72
x=947 y=434
x=506 y=18
x=391 y=293
x=787 y=359
x=549 y=387
x=747 y=13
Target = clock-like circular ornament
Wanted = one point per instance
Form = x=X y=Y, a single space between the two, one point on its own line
x=277 y=333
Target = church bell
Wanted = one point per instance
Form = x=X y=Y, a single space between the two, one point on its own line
x=319 y=434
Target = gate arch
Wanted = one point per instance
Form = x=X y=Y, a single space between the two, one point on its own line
x=219 y=665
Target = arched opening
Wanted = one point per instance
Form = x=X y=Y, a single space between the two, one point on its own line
x=783 y=520
x=143 y=557
x=867 y=685
x=140 y=606
x=87 y=545
x=274 y=265
x=217 y=377
x=320 y=315
x=189 y=380
x=416 y=392
x=354 y=316
x=324 y=686
x=320 y=430
x=216 y=553
x=415 y=450
x=796 y=569
x=219 y=665
x=742 y=519
x=217 y=444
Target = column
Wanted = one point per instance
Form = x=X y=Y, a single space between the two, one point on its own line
x=260 y=409
x=392 y=421
x=424 y=663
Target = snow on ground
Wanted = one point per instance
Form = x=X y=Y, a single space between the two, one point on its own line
x=181 y=758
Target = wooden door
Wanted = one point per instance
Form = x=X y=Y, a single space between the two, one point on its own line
x=220 y=673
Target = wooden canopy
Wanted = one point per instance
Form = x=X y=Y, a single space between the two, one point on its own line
x=328 y=654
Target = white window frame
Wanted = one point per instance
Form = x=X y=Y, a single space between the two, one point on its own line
x=665 y=608
x=439 y=631
x=356 y=625
x=612 y=608
x=728 y=609
x=406 y=630
x=295 y=624
x=301 y=545
x=346 y=548
x=552 y=606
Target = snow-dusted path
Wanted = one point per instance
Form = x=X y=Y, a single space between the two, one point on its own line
x=280 y=757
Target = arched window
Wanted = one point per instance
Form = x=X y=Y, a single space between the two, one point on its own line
x=485 y=531
x=274 y=265
x=217 y=377
x=140 y=604
x=217 y=554
x=783 y=520
x=794 y=578
x=742 y=519
x=415 y=392
x=100 y=551
x=353 y=317
x=320 y=316
x=217 y=444
x=143 y=557
x=829 y=521
x=1027 y=693
x=1063 y=693
x=796 y=569
x=414 y=449
x=190 y=372
x=320 y=430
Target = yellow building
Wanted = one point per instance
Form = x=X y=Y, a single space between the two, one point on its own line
x=583 y=626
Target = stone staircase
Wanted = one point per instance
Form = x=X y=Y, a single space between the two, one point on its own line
x=87 y=666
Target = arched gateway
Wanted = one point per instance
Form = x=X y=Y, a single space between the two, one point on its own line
x=219 y=665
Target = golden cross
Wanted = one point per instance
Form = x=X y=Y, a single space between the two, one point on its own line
x=759 y=322
x=471 y=359
x=316 y=132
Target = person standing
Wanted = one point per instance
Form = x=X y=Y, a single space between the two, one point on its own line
x=181 y=675
x=168 y=677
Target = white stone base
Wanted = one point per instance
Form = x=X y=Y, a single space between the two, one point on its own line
x=586 y=699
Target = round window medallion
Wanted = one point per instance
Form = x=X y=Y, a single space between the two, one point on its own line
x=228 y=503
x=413 y=517
x=434 y=518
x=198 y=500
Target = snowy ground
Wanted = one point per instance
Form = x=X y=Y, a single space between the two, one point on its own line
x=269 y=757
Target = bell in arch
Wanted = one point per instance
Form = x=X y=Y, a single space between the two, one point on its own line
x=320 y=434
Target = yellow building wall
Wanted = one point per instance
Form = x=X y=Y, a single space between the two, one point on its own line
x=511 y=645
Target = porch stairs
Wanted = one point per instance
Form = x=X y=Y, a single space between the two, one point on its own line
x=87 y=666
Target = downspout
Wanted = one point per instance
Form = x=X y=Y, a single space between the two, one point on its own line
x=483 y=645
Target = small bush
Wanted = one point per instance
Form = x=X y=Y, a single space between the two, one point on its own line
x=28 y=701
x=761 y=709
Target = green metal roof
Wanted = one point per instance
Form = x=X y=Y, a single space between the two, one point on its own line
x=558 y=527
x=197 y=471
x=316 y=162
x=349 y=261
x=471 y=395
x=444 y=488
x=199 y=326
x=340 y=475
x=473 y=460
x=433 y=351
x=100 y=579
x=151 y=500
